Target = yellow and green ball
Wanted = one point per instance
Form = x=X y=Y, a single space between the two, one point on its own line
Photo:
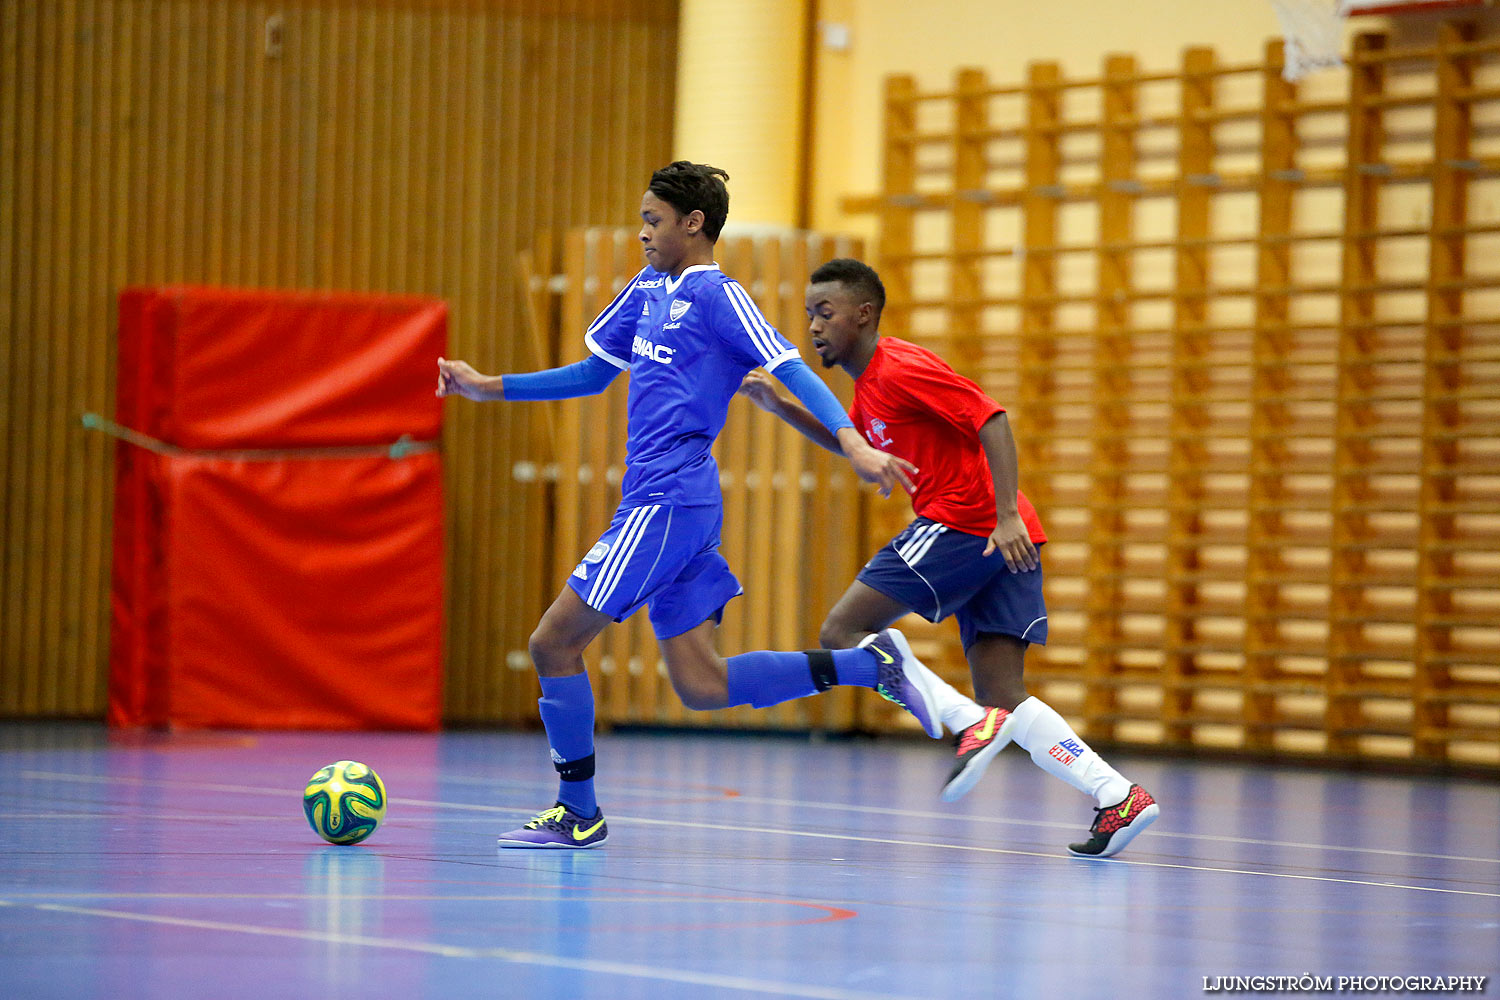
x=344 y=802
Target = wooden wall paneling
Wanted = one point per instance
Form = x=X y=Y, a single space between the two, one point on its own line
x=475 y=657
x=214 y=140
x=22 y=516
x=1272 y=416
x=628 y=638
x=193 y=70
x=602 y=438
x=637 y=114
x=1113 y=461
x=55 y=191
x=151 y=141
x=524 y=495
x=1445 y=301
x=14 y=261
x=766 y=562
x=1050 y=395
x=970 y=177
x=1357 y=457
x=320 y=142
x=90 y=263
x=1456 y=719
x=733 y=453
x=897 y=214
x=417 y=143
x=75 y=322
x=118 y=29
x=1190 y=462
x=569 y=517
x=520 y=156
x=785 y=581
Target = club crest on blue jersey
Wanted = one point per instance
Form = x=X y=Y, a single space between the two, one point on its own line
x=678 y=309
x=597 y=552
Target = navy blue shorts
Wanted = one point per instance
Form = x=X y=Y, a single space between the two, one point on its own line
x=664 y=557
x=938 y=571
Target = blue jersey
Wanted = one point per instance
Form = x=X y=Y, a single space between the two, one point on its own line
x=687 y=343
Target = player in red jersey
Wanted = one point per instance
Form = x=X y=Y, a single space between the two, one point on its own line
x=972 y=552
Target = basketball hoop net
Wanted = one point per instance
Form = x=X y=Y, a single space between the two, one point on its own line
x=1314 y=33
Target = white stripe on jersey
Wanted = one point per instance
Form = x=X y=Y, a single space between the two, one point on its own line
x=614 y=566
x=602 y=354
x=761 y=333
x=602 y=320
x=776 y=362
x=613 y=307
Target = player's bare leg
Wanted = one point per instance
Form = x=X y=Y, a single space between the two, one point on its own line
x=996 y=663
x=699 y=675
x=861 y=612
x=864 y=611
x=559 y=639
x=567 y=709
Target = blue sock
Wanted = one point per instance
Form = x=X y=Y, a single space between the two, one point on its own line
x=567 y=706
x=765 y=678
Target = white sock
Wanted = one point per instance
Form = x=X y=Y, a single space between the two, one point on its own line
x=957 y=711
x=1054 y=746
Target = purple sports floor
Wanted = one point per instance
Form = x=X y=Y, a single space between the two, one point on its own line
x=168 y=866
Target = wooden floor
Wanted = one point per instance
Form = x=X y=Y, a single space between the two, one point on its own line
x=168 y=866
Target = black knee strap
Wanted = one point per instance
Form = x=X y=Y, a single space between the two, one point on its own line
x=581 y=769
x=820 y=664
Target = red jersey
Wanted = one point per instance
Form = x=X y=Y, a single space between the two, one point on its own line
x=910 y=403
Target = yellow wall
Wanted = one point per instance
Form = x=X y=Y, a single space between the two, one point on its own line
x=740 y=91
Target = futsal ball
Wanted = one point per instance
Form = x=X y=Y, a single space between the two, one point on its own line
x=344 y=802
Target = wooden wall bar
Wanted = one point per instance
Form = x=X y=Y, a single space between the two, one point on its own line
x=406 y=146
x=1250 y=335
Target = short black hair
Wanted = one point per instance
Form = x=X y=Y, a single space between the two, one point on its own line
x=855 y=275
x=694 y=187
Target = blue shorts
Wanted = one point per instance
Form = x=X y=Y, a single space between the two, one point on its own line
x=664 y=557
x=938 y=571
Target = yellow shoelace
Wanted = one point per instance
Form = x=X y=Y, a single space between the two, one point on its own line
x=555 y=814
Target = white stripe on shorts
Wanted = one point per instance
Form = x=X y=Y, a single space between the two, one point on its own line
x=921 y=540
x=614 y=566
x=914 y=540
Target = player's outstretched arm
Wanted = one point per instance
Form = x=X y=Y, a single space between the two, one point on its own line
x=583 y=378
x=1010 y=536
x=872 y=465
x=458 y=378
x=760 y=389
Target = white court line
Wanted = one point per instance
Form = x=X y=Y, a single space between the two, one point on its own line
x=1156 y=832
x=762 y=986
x=846 y=837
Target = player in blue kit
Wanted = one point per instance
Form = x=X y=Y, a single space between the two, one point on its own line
x=688 y=334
